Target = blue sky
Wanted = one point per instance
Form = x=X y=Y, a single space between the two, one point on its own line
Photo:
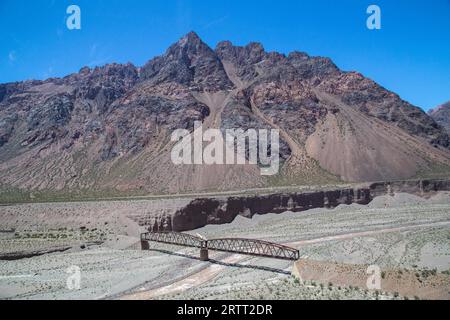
x=410 y=55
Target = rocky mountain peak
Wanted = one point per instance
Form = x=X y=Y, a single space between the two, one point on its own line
x=190 y=38
x=189 y=62
x=298 y=56
x=442 y=107
x=250 y=54
x=441 y=115
x=189 y=46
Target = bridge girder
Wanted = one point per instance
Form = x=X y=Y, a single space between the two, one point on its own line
x=252 y=247
x=176 y=238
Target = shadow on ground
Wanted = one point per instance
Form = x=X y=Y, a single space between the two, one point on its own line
x=234 y=265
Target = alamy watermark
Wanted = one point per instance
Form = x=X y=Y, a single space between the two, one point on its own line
x=73 y=281
x=234 y=146
x=374 y=280
x=374 y=20
x=73 y=22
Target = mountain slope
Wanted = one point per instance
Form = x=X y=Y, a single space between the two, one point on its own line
x=350 y=125
x=109 y=128
x=441 y=115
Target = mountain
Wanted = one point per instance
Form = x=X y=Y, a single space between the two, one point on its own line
x=108 y=128
x=441 y=115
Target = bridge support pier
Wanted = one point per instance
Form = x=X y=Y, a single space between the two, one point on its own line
x=145 y=245
x=204 y=254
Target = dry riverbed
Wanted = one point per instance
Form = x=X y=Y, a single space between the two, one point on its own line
x=406 y=236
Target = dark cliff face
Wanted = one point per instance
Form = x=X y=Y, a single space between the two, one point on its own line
x=202 y=212
x=109 y=127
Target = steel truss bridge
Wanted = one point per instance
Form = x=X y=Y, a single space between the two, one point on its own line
x=251 y=247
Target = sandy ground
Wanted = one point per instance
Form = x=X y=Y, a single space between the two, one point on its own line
x=38 y=226
x=403 y=232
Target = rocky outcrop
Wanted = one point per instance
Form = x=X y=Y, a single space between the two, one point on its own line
x=441 y=115
x=31 y=253
x=206 y=211
x=188 y=62
x=417 y=187
x=202 y=212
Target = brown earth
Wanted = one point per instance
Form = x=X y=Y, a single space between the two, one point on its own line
x=406 y=283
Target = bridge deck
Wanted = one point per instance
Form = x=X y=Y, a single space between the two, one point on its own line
x=252 y=247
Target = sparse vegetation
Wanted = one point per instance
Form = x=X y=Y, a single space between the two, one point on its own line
x=247 y=283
